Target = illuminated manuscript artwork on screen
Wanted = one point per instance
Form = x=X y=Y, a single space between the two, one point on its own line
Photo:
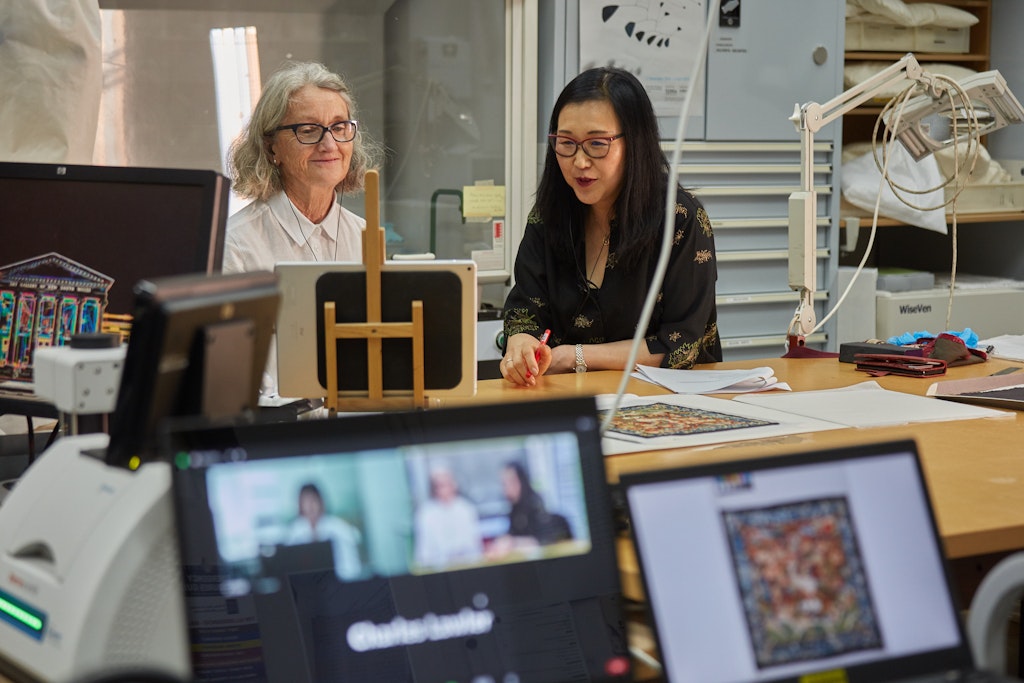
x=801 y=581
x=43 y=301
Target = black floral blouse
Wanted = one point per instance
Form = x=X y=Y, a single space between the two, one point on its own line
x=552 y=293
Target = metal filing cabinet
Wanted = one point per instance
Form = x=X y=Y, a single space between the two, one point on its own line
x=765 y=59
x=745 y=187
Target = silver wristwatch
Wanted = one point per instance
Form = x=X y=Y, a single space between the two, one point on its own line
x=581 y=364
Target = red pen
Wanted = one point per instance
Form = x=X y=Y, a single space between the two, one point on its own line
x=543 y=341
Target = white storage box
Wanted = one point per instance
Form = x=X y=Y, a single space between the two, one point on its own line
x=984 y=198
x=855 y=320
x=903 y=280
x=942 y=39
x=989 y=312
x=877 y=37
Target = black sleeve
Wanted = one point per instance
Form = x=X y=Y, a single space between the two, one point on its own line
x=688 y=329
x=527 y=306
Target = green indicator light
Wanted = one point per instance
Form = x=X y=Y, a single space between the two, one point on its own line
x=181 y=460
x=28 y=619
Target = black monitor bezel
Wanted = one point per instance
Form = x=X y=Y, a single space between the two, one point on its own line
x=950 y=659
x=370 y=432
x=215 y=188
x=170 y=315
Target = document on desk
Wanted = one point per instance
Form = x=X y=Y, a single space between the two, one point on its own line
x=998 y=391
x=711 y=381
x=867 y=404
x=1009 y=346
x=680 y=420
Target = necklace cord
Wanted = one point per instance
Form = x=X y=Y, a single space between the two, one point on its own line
x=306 y=238
x=593 y=269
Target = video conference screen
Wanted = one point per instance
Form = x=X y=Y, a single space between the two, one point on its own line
x=477 y=559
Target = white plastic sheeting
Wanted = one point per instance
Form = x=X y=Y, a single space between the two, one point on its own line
x=50 y=80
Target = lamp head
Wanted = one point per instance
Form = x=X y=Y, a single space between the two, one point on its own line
x=994 y=107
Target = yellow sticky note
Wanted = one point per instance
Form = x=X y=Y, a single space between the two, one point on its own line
x=483 y=201
x=832 y=676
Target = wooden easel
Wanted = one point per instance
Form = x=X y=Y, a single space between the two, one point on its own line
x=374 y=331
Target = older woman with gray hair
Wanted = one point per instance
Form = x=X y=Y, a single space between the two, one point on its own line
x=301 y=151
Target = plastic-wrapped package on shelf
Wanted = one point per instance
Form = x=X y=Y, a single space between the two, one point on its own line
x=861 y=182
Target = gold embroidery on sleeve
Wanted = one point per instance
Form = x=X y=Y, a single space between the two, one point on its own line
x=704 y=221
x=686 y=355
x=520 y=320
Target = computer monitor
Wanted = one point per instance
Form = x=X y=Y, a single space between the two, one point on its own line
x=816 y=565
x=456 y=544
x=448 y=292
x=198 y=347
x=129 y=224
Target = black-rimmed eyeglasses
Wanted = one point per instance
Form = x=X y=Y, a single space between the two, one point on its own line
x=313 y=133
x=595 y=148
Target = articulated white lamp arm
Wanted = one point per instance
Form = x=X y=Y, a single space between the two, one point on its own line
x=809 y=119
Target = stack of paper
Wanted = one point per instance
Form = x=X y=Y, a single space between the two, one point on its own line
x=711 y=381
x=1001 y=391
x=867 y=404
x=674 y=421
x=1009 y=346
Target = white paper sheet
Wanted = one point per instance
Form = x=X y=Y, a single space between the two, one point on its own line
x=867 y=404
x=711 y=381
x=1009 y=346
x=655 y=41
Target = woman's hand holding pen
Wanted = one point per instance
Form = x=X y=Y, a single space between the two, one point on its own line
x=526 y=358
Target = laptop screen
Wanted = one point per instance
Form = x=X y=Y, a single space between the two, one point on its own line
x=776 y=568
x=470 y=544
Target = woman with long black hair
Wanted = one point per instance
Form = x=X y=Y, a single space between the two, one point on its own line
x=592 y=240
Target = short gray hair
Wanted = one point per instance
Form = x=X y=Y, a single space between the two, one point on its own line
x=250 y=164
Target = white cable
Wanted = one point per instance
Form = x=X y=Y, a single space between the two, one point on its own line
x=874 y=217
x=959 y=180
x=958 y=100
x=952 y=268
x=670 y=214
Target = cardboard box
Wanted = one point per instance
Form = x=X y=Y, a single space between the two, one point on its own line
x=989 y=312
